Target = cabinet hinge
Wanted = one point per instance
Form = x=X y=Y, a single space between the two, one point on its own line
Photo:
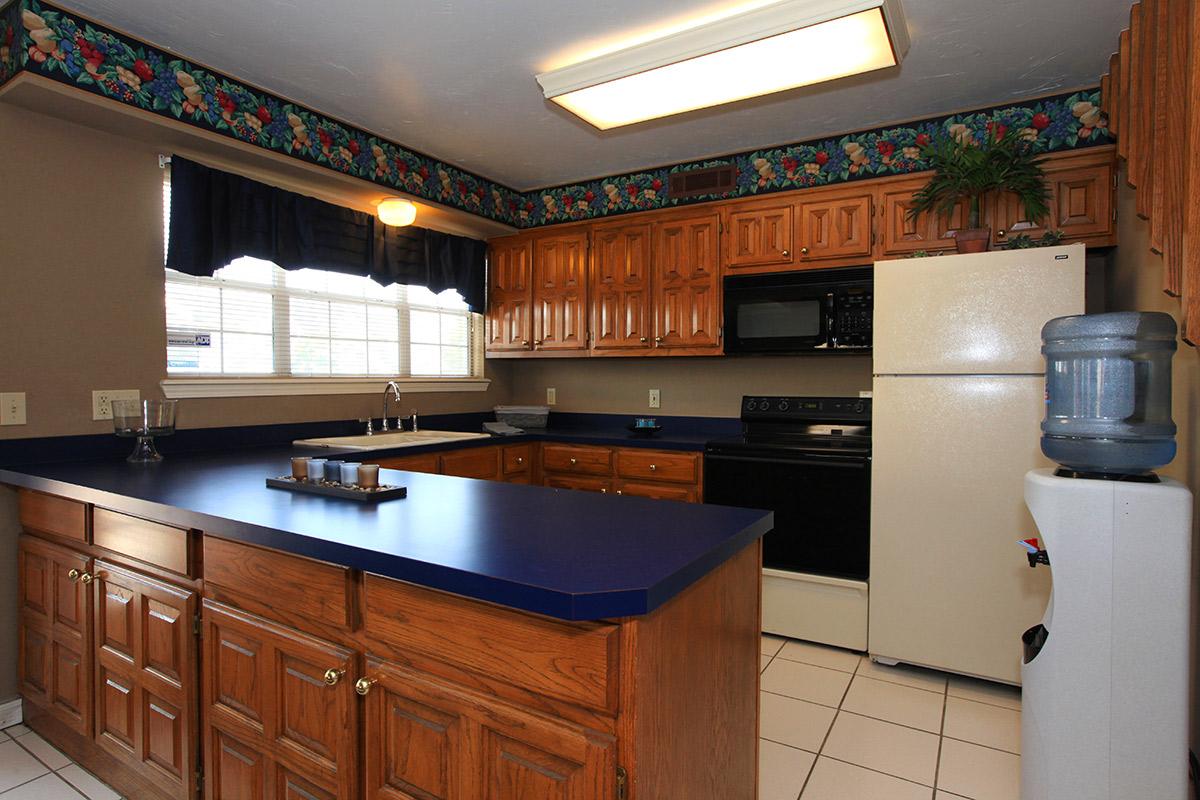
x=200 y=783
x=622 y=783
x=197 y=627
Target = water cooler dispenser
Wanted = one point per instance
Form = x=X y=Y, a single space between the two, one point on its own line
x=1105 y=674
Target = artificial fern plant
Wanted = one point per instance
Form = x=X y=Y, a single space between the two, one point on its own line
x=966 y=169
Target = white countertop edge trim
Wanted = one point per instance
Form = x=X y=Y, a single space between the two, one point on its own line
x=186 y=388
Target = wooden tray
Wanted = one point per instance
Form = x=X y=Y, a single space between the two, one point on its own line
x=337 y=490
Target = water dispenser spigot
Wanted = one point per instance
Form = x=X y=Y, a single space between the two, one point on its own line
x=1035 y=554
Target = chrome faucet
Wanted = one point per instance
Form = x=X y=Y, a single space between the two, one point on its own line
x=394 y=388
x=413 y=418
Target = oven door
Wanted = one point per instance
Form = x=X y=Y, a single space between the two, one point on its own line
x=776 y=319
x=822 y=508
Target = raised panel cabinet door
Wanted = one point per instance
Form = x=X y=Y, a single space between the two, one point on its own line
x=903 y=233
x=560 y=292
x=287 y=694
x=621 y=287
x=35 y=565
x=475 y=462
x=835 y=228
x=760 y=236
x=508 y=317
x=1009 y=220
x=687 y=283
x=33 y=661
x=235 y=770
x=146 y=687
x=1083 y=200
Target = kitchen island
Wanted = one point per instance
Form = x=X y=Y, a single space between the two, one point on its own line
x=187 y=632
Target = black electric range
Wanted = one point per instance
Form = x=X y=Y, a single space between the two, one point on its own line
x=808 y=459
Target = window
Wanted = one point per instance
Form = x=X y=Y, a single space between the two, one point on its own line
x=253 y=318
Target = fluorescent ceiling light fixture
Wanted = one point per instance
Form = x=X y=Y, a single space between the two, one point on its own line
x=396 y=211
x=761 y=51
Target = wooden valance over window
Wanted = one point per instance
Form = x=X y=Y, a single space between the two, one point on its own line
x=217 y=217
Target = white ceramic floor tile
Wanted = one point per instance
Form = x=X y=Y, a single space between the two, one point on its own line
x=916 y=677
x=781 y=771
x=836 y=780
x=806 y=682
x=17 y=766
x=772 y=644
x=983 y=724
x=996 y=694
x=44 y=751
x=16 y=730
x=87 y=783
x=47 y=787
x=893 y=702
x=821 y=656
x=794 y=722
x=980 y=773
x=883 y=747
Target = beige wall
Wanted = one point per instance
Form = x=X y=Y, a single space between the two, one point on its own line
x=702 y=387
x=1135 y=284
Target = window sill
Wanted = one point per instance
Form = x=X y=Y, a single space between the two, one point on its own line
x=186 y=388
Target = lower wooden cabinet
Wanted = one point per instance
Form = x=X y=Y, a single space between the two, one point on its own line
x=280 y=706
x=474 y=462
x=633 y=471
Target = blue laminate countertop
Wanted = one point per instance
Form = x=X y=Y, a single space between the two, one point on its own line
x=567 y=554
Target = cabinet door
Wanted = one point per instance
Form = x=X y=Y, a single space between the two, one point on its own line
x=601 y=485
x=621 y=287
x=656 y=491
x=147 y=712
x=509 y=323
x=560 y=292
x=687 y=283
x=428 y=462
x=429 y=741
x=55 y=640
x=902 y=233
x=1081 y=204
x=760 y=235
x=475 y=462
x=287 y=696
x=835 y=227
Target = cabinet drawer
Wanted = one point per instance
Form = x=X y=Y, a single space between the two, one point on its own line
x=475 y=462
x=517 y=458
x=577 y=459
x=658 y=465
x=151 y=542
x=427 y=462
x=583 y=484
x=572 y=661
x=291 y=584
x=49 y=514
x=657 y=491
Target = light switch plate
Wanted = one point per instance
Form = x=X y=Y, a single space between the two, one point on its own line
x=551 y=396
x=102 y=400
x=655 y=398
x=12 y=408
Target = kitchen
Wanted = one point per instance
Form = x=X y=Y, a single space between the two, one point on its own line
x=88 y=200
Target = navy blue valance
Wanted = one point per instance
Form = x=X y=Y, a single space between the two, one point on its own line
x=217 y=217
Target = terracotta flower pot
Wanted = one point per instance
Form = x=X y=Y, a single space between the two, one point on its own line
x=973 y=240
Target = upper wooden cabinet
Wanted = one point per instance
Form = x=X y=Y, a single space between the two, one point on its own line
x=835 y=225
x=760 y=234
x=621 y=264
x=1081 y=188
x=560 y=291
x=902 y=233
x=687 y=283
x=509 y=316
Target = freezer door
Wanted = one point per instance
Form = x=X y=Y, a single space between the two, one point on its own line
x=950 y=587
x=970 y=314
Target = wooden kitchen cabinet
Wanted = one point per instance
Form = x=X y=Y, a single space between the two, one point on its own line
x=760 y=234
x=281 y=715
x=146 y=676
x=686 y=283
x=560 y=291
x=516 y=462
x=656 y=491
x=57 y=516
x=474 y=462
x=577 y=459
x=620 y=298
x=903 y=234
x=426 y=462
x=510 y=304
x=55 y=639
x=578 y=482
x=1081 y=201
x=835 y=225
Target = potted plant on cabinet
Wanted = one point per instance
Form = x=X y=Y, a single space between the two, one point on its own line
x=964 y=169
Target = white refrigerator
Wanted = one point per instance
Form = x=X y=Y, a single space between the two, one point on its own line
x=959 y=393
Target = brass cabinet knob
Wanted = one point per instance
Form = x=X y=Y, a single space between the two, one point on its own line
x=520 y=460
x=643 y=340
x=574 y=461
x=603 y=490
x=85 y=578
x=363 y=685
x=73 y=575
x=803 y=251
x=524 y=343
x=537 y=342
x=618 y=491
x=658 y=340
x=785 y=254
x=653 y=467
x=333 y=676
x=1000 y=234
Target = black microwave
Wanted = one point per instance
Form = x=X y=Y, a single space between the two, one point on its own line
x=813 y=311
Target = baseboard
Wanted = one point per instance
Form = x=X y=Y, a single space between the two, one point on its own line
x=10 y=713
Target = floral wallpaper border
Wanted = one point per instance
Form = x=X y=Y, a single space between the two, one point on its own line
x=42 y=39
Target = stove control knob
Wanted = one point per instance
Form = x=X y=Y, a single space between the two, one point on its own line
x=858 y=407
x=784 y=405
x=751 y=405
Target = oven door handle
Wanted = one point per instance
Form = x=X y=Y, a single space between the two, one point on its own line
x=851 y=463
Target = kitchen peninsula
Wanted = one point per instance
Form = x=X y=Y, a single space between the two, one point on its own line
x=189 y=632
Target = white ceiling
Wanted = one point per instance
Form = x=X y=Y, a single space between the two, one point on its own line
x=455 y=78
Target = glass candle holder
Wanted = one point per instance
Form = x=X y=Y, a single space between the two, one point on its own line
x=333 y=469
x=316 y=469
x=300 y=467
x=368 y=476
x=350 y=473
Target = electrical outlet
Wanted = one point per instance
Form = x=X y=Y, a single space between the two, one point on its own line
x=655 y=398
x=102 y=400
x=551 y=396
x=12 y=408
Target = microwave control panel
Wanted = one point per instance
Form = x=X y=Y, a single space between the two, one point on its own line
x=852 y=319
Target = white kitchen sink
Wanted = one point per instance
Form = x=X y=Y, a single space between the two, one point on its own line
x=391 y=439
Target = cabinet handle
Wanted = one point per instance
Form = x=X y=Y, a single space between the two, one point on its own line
x=658 y=340
x=85 y=578
x=520 y=460
x=603 y=490
x=73 y=575
x=574 y=461
x=1000 y=234
x=803 y=251
x=643 y=340
x=524 y=343
x=333 y=676
x=363 y=686
x=618 y=491
x=653 y=467
x=537 y=342
x=785 y=254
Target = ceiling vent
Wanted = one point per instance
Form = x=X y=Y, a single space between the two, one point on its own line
x=702 y=181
